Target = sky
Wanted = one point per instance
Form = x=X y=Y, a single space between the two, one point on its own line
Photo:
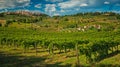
x=60 y=7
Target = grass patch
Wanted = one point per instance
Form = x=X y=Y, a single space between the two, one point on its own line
x=11 y=57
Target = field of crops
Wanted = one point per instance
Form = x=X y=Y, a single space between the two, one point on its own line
x=60 y=41
x=94 y=45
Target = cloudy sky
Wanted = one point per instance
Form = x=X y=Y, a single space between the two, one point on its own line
x=60 y=7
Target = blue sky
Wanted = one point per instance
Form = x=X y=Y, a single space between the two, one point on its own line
x=60 y=7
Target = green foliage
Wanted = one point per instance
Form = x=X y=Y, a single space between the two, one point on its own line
x=1 y=14
x=9 y=22
x=118 y=16
x=71 y=26
x=109 y=28
x=92 y=43
x=0 y=24
x=66 y=19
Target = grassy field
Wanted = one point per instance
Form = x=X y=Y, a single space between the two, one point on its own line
x=37 y=41
x=15 y=57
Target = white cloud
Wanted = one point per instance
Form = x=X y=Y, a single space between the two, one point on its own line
x=56 y=14
x=77 y=9
x=69 y=4
x=62 y=10
x=54 y=0
x=84 y=4
x=116 y=11
x=22 y=1
x=13 y=3
x=75 y=3
x=50 y=8
x=38 y=6
x=106 y=2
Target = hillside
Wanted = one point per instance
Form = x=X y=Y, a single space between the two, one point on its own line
x=78 y=22
x=83 y=39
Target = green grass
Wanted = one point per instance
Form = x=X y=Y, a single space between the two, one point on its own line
x=47 y=28
x=13 y=57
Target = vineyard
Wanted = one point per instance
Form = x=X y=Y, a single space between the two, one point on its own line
x=93 y=43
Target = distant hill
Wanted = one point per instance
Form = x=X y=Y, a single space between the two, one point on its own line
x=77 y=22
x=23 y=12
x=22 y=16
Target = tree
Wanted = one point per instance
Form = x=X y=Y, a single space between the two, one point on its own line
x=0 y=24
x=1 y=14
